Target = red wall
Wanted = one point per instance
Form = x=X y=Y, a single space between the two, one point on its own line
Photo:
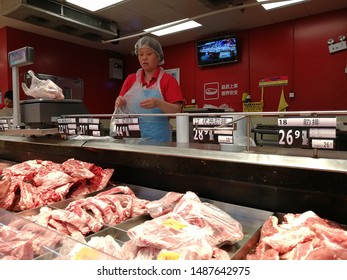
x=4 y=75
x=297 y=49
x=63 y=59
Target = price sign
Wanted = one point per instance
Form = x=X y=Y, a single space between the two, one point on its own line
x=5 y=124
x=323 y=144
x=213 y=130
x=307 y=132
x=89 y=126
x=127 y=127
x=295 y=137
x=307 y=122
x=67 y=126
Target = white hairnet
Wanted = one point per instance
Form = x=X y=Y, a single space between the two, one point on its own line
x=150 y=42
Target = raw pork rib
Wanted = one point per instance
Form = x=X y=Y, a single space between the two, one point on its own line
x=91 y=214
x=36 y=183
x=303 y=236
x=164 y=205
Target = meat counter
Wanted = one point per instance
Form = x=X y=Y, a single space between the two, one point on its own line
x=267 y=178
x=22 y=239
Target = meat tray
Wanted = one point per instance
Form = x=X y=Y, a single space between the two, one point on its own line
x=247 y=247
x=119 y=232
x=252 y=242
x=250 y=218
x=32 y=212
x=119 y=235
x=25 y=240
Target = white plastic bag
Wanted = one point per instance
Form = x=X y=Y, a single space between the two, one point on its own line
x=45 y=89
x=113 y=124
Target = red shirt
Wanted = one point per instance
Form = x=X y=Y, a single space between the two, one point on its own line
x=169 y=86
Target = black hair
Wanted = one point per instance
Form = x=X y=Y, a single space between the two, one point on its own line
x=9 y=94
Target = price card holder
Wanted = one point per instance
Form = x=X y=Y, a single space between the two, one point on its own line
x=307 y=132
x=67 y=126
x=125 y=127
x=89 y=126
x=213 y=130
x=5 y=124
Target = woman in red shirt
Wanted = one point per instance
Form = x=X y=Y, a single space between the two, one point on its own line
x=151 y=91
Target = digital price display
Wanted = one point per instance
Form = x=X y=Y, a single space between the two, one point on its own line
x=307 y=132
x=21 y=57
x=127 y=127
x=213 y=130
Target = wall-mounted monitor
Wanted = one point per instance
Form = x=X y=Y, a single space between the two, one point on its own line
x=217 y=50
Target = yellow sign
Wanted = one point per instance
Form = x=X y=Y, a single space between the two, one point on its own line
x=274 y=81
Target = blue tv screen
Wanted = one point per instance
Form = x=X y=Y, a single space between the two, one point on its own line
x=217 y=50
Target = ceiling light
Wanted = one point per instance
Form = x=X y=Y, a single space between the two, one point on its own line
x=330 y=41
x=94 y=5
x=173 y=27
x=279 y=4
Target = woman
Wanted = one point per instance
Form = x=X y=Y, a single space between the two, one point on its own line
x=151 y=91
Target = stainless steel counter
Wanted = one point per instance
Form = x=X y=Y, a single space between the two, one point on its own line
x=272 y=179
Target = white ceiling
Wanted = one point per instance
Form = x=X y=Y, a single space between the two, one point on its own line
x=132 y=16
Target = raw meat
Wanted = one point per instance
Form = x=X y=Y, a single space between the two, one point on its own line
x=189 y=230
x=164 y=205
x=91 y=214
x=303 y=236
x=222 y=228
x=36 y=183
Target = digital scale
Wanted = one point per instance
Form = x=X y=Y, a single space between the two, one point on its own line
x=39 y=116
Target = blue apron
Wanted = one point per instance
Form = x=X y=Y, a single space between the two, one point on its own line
x=152 y=128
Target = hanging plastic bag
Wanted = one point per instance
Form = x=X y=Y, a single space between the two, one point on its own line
x=114 y=125
x=45 y=89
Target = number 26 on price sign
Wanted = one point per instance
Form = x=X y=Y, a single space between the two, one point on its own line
x=293 y=137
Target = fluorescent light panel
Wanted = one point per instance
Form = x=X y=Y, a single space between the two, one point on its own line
x=173 y=27
x=279 y=4
x=94 y=5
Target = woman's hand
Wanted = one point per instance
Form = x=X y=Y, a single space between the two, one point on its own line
x=150 y=103
x=120 y=102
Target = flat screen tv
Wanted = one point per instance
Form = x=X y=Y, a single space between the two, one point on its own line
x=217 y=50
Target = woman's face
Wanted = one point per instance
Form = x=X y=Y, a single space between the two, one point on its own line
x=148 y=59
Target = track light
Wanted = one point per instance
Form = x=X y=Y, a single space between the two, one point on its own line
x=342 y=38
x=330 y=41
x=339 y=46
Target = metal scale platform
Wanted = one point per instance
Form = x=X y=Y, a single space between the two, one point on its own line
x=39 y=116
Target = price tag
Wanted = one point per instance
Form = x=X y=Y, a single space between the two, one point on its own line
x=307 y=132
x=213 y=130
x=127 y=127
x=5 y=124
x=307 y=122
x=89 y=126
x=323 y=144
x=67 y=126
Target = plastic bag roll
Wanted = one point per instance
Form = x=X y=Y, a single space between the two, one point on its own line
x=182 y=128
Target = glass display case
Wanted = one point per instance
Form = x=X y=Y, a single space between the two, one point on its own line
x=21 y=239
